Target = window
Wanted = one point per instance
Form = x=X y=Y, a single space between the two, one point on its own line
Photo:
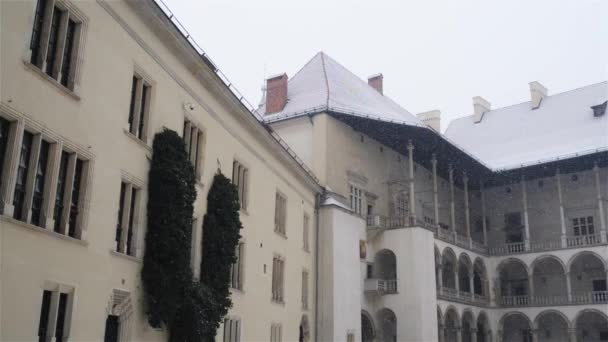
x=240 y=178
x=139 y=107
x=280 y=213
x=21 y=179
x=236 y=277
x=55 y=316
x=4 y=130
x=41 y=171
x=278 y=268
x=369 y=271
x=127 y=217
x=232 y=330
x=514 y=229
x=305 y=290
x=70 y=194
x=193 y=137
x=350 y=337
x=54 y=41
x=356 y=199
x=306 y=233
x=583 y=226
x=276 y=332
x=402 y=205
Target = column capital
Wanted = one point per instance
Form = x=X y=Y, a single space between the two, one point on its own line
x=434 y=158
x=410 y=145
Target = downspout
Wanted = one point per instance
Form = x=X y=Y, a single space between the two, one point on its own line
x=317 y=207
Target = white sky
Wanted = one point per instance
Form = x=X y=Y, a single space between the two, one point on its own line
x=433 y=54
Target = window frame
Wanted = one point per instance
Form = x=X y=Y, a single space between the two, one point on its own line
x=128 y=223
x=197 y=158
x=278 y=279
x=280 y=213
x=68 y=53
x=306 y=232
x=234 y=326
x=140 y=105
x=242 y=187
x=60 y=295
x=236 y=274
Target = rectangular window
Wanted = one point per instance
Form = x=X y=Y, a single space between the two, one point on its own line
x=278 y=269
x=139 y=107
x=356 y=199
x=280 y=214
x=305 y=290
x=193 y=137
x=41 y=171
x=127 y=216
x=236 y=277
x=59 y=195
x=53 y=42
x=240 y=178
x=306 y=233
x=232 y=330
x=276 y=332
x=54 y=316
x=583 y=226
x=21 y=179
x=75 y=199
x=4 y=130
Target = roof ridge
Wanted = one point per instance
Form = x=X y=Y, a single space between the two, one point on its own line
x=326 y=80
x=306 y=64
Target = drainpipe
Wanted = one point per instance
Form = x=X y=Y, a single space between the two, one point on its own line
x=317 y=211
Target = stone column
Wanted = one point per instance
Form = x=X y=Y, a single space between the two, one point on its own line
x=440 y=276
x=562 y=215
x=452 y=208
x=534 y=333
x=525 y=207
x=483 y=214
x=459 y=334
x=568 y=286
x=467 y=218
x=472 y=283
x=457 y=282
x=410 y=155
x=435 y=191
x=572 y=334
x=600 y=203
x=499 y=336
x=473 y=335
x=441 y=332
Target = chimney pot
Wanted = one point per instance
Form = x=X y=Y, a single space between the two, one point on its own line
x=276 y=93
x=537 y=93
x=432 y=119
x=480 y=106
x=375 y=81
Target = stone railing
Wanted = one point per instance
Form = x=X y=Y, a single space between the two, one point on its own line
x=545 y=245
x=381 y=286
x=453 y=295
x=597 y=297
x=386 y=222
x=583 y=240
x=446 y=235
x=508 y=248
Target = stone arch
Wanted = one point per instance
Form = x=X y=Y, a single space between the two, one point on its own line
x=385 y=265
x=483 y=327
x=468 y=325
x=451 y=324
x=304 y=329
x=465 y=270
x=514 y=282
x=368 y=330
x=589 y=324
x=549 y=280
x=515 y=326
x=387 y=325
x=480 y=277
x=585 y=269
x=552 y=326
x=449 y=268
x=439 y=324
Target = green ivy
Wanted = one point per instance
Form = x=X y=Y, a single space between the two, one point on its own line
x=191 y=310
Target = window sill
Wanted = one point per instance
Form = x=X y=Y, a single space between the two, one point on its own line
x=284 y=236
x=51 y=80
x=278 y=302
x=126 y=256
x=41 y=230
x=138 y=141
x=235 y=290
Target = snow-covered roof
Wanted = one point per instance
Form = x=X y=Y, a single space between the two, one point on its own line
x=325 y=85
x=512 y=137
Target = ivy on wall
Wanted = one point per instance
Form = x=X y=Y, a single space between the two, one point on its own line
x=191 y=310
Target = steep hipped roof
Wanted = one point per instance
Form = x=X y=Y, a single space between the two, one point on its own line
x=516 y=136
x=325 y=85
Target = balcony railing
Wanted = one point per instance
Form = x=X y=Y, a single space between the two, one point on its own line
x=381 y=286
x=508 y=248
x=462 y=297
x=386 y=222
x=583 y=240
x=596 y=297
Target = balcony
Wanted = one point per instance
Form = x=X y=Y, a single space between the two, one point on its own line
x=380 y=286
x=596 y=297
x=453 y=295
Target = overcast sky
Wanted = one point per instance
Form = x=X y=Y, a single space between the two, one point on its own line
x=433 y=54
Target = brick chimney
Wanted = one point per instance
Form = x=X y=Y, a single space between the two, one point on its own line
x=537 y=93
x=375 y=81
x=480 y=106
x=276 y=93
x=432 y=119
